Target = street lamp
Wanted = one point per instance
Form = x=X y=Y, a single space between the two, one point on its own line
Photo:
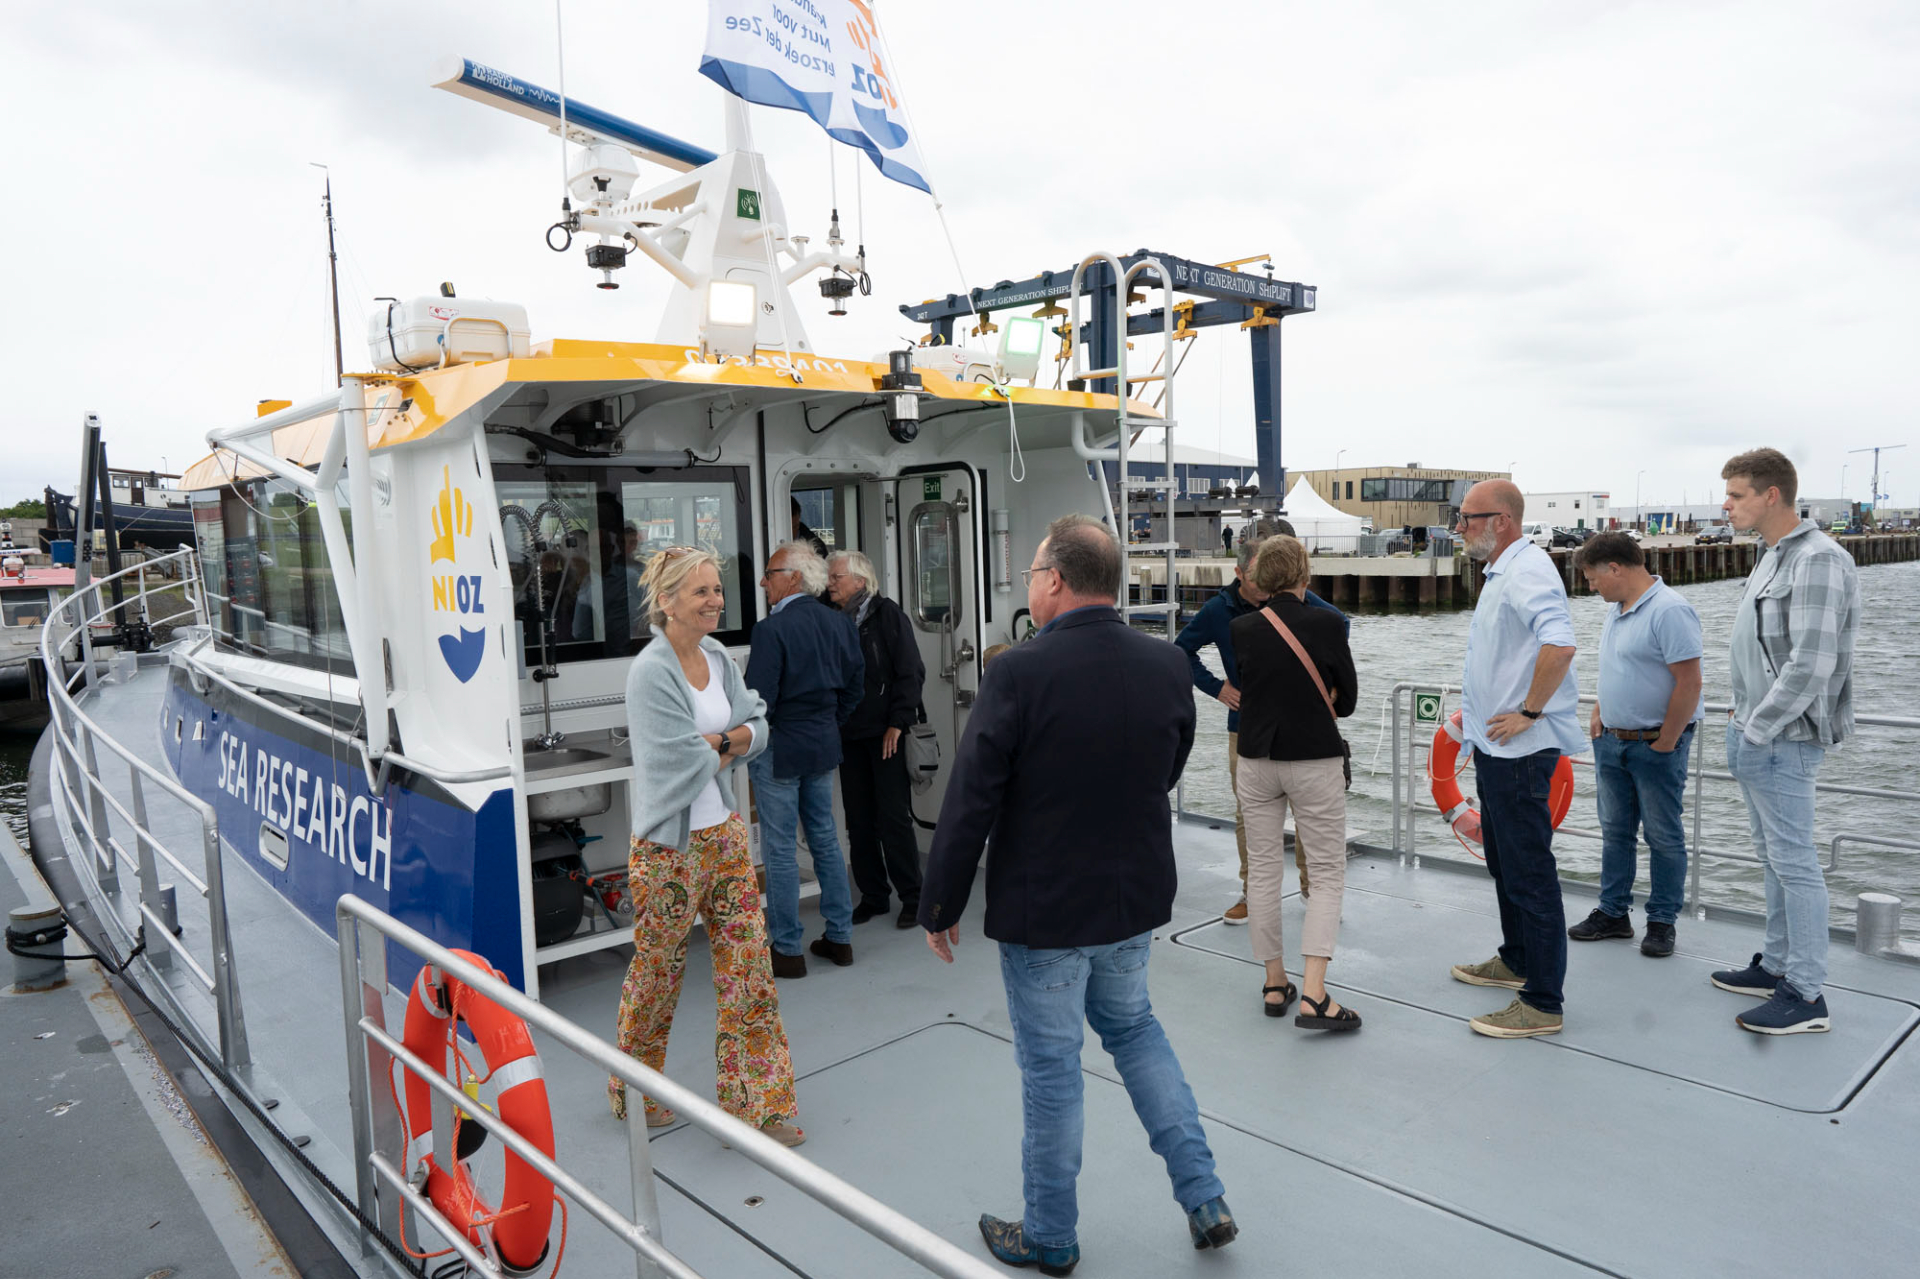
x=1843 y=481
x=1639 y=517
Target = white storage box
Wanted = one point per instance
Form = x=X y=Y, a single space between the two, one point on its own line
x=424 y=333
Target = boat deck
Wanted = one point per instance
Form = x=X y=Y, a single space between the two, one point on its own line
x=1651 y=1138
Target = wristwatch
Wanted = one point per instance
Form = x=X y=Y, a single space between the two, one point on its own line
x=726 y=746
x=1529 y=714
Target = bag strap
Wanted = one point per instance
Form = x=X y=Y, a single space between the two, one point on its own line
x=1301 y=653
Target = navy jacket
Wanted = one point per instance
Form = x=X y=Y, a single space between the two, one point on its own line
x=1211 y=626
x=895 y=673
x=1073 y=743
x=806 y=665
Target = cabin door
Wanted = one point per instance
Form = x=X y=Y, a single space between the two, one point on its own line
x=938 y=569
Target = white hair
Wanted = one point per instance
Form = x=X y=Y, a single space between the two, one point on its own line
x=860 y=566
x=807 y=564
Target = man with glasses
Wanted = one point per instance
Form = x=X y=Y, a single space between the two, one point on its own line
x=1074 y=741
x=806 y=665
x=1519 y=712
x=1642 y=728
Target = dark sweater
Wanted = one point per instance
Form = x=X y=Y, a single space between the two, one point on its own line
x=895 y=673
x=806 y=666
x=1211 y=625
x=1282 y=715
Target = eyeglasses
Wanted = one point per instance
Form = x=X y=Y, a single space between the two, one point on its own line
x=1468 y=517
x=771 y=571
x=1026 y=574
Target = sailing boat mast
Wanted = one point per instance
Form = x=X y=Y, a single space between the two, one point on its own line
x=333 y=276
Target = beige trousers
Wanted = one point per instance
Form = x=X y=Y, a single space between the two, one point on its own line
x=1318 y=793
x=1240 y=822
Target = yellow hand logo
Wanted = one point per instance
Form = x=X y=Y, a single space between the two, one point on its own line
x=452 y=514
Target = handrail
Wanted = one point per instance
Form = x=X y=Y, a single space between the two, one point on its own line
x=640 y=1232
x=1406 y=804
x=78 y=787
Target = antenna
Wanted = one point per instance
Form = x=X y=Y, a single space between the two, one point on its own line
x=1874 y=494
x=333 y=276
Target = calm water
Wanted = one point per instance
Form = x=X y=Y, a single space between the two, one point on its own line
x=1391 y=647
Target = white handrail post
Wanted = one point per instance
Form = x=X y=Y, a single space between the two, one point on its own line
x=646 y=1199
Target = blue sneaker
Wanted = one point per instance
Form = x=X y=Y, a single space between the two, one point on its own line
x=1211 y=1224
x=1786 y=1014
x=1751 y=980
x=1008 y=1242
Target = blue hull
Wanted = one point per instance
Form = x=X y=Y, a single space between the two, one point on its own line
x=414 y=851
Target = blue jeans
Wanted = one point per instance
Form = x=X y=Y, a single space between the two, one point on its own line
x=784 y=803
x=1641 y=789
x=1517 y=832
x=1050 y=995
x=1778 y=782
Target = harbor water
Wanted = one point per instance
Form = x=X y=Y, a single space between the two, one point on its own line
x=1390 y=647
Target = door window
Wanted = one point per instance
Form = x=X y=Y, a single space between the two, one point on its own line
x=934 y=566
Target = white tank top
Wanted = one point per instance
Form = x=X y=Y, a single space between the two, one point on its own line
x=711 y=714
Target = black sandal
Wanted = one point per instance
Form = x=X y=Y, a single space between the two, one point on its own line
x=1286 y=993
x=1345 y=1019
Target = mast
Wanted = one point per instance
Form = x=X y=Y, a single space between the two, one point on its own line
x=333 y=275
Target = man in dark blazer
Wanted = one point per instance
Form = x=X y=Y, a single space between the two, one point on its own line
x=1072 y=746
x=806 y=664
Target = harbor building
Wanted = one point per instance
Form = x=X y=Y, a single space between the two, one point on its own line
x=1396 y=496
x=1577 y=508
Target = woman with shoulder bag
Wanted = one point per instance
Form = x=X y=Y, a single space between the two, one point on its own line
x=1296 y=681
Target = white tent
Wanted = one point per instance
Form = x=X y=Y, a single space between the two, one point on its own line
x=1324 y=528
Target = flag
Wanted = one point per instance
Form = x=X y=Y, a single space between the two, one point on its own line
x=822 y=57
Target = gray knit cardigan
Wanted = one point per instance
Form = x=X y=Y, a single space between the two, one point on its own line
x=671 y=764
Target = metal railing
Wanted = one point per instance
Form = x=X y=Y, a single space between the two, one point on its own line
x=89 y=806
x=371 y=1048
x=1410 y=777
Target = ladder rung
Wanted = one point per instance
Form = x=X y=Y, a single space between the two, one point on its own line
x=1145 y=377
x=1149 y=548
x=1094 y=375
x=1138 y=422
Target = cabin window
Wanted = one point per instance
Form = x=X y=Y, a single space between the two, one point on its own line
x=934 y=566
x=616 y=519
x=270 y=586
x=24 y=608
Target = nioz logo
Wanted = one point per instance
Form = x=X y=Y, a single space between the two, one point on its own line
x=456 y=593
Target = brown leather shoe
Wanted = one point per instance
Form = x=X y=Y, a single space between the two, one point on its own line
x=788 y=965
x=840 y=952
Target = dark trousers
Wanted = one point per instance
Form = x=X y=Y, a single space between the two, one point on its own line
x=879 y=804
x=1517 y=832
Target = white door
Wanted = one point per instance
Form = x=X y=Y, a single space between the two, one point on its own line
x=939 y=572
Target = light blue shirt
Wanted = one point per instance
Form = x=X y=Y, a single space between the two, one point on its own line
x=784 y=601
x=1522 y=607
x=1637 y=645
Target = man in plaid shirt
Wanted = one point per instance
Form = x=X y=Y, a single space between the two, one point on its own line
x=1792 y=666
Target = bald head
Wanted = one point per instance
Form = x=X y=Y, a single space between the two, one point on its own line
x=1498 y=495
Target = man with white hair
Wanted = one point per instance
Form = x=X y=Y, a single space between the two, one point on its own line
x=806 y=665
x=873 y=769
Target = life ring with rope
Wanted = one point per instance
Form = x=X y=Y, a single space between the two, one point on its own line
x=1444 y=765
x=515 y=1235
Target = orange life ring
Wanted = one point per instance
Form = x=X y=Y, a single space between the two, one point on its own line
x=517 y=1233
x=1443 y=772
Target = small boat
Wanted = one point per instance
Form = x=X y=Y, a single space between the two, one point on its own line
x=28 y=594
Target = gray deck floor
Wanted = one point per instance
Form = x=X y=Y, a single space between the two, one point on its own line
x=1651 y=1138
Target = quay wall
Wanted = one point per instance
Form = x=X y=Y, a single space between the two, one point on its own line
x=1407 y=581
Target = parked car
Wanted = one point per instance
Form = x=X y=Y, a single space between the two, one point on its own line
x=1713 y=534
x=1571 y=537
x=1635 y=534
x=1537 y=533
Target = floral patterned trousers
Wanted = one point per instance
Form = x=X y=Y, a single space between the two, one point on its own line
x=713 y=877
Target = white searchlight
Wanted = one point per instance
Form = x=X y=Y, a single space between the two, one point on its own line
x=1021 y=340
x=732 y=318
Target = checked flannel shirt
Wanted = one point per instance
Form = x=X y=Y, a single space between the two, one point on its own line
x=1807 y=608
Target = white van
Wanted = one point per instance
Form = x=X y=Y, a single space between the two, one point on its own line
x=1537 y=533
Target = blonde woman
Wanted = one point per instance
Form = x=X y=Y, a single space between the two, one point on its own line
x=692 y=718
x=1296 y=679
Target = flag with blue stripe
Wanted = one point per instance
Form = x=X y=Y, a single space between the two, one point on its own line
x=822 y=57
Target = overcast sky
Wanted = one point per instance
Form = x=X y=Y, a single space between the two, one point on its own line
x=1609 y=244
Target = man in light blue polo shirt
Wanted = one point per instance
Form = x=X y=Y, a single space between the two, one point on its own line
x=1642 y=729
x=1519 y=707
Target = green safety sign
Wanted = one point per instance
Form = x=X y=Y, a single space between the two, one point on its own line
x=747 y=204
x=1426 y=708
x=930 y=488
